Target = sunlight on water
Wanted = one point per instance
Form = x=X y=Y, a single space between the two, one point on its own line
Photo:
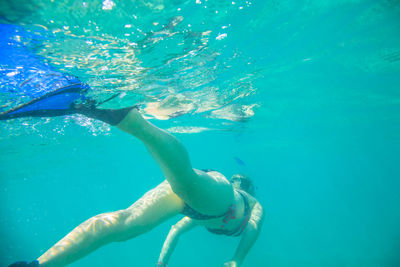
x=167 y=61
x=183 y=59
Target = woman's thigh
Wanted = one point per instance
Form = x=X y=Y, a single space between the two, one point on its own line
x=208 y=193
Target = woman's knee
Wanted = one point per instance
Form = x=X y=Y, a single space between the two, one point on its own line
x=129 y=226
x=106 y=225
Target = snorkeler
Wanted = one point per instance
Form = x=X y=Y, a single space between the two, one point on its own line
x=206 y=197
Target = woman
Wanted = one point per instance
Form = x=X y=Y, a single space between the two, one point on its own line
x=207 y=198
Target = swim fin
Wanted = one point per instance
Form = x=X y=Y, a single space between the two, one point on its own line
x=69 y=99
x=54 y=103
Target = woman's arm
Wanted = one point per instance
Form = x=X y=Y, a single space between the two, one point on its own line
x=250 y=235
x=181 y=227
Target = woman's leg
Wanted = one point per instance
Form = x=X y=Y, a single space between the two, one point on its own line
x=153 y=208
x=207 y=194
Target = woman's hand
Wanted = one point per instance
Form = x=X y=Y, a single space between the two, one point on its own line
x=231 y=264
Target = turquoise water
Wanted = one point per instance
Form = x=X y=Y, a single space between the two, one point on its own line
x=304 y=93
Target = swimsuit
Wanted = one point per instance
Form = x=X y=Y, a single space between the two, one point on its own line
x=229 y=214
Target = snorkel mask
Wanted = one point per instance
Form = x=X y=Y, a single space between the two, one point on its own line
x=243 y=182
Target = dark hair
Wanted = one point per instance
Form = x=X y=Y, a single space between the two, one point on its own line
x=246 y=184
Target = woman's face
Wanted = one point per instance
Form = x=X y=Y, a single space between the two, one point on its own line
x=236 y=183
x=242 y=183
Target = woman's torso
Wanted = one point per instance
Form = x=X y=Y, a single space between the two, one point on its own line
x=233 y=214
x=235 y=218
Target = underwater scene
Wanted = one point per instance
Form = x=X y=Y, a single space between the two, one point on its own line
x=301 y=96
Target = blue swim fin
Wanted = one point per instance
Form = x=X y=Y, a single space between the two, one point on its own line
x=54 y=103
